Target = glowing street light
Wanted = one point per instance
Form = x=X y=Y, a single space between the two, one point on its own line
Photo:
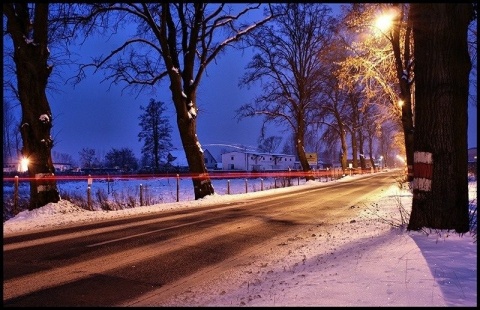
x=384 y=22
x=24 y=164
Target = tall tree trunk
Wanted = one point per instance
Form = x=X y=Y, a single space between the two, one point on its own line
x=403 y=70
x=344 y=156
x=354 y=148
x=186 y=109
x=202 y=184
x=30 y=56
x=361 y=142
x=300 y=148
x=442 y=67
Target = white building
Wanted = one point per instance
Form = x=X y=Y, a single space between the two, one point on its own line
x=178 y=159
x=253 y=161
x=210 y=161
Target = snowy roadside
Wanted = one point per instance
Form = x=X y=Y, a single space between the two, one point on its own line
x=311 y=267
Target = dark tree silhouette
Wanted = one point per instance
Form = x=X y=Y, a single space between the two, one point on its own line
x=88 y=158
x=442 y=67
x=269 y=144
x=123 y=158
x=155 y=133
x=27 y=25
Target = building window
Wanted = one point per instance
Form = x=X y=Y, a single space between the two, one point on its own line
x=231 y=158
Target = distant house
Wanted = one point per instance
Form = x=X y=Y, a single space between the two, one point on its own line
x=255 y=161
x=62 y=167
x=210 y=161
x=177 y=160
x=11 y=167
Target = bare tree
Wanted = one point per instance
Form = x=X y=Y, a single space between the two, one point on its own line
x=385 y=56
x=289 y=145
x=334 y=107
x=442 y=68
x=88 y=158
x=62 y=158
x=286 y=62
x=269 y=144
x=11 y=134
x=353 y=121
x=334 y=113
x=313 y=138
x=176 y=41
x=27 y=26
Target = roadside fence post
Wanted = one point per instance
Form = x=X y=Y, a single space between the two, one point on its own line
x=141 y=195
x=178 y=187
x=146 y=196
x=15 y=196
x=228 y=187
x=261 y=184
x=89 y=192
x=246 y=186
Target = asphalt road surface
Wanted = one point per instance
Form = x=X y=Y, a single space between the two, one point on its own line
x=120 y=262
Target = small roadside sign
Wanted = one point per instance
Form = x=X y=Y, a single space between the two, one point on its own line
x=311 y=158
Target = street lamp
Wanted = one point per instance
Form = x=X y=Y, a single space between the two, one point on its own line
x=24 y=164
x=384 y=22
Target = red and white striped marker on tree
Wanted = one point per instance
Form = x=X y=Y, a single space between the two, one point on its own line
x=422 y=171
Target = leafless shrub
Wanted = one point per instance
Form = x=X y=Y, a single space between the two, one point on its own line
x=400 y=221
x=102 y=199
x=9 y=209
x=127 y=198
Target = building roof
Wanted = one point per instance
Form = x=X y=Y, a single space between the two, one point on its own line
x=177 y=158
x=260 y=153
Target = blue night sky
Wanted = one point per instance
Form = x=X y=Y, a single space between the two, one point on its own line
x=92 y=116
